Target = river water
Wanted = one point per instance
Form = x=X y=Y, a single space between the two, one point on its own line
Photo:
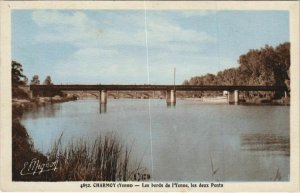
x=193 y=141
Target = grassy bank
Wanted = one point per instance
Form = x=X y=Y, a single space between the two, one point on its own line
x=104 y=159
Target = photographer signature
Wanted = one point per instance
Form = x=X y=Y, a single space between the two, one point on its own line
x=36 y=167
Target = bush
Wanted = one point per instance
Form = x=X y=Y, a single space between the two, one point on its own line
x=19 y=93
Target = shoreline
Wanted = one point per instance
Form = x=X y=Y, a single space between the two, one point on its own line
x=256 y=101
x=22 y=105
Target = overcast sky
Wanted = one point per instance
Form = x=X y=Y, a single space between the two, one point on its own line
x=109 y=47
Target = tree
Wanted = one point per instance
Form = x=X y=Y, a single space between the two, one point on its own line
x=17 y=74
x=48 y=81
x=35 y=80
x=185 y=82
x=25 y=81
x=283 y=63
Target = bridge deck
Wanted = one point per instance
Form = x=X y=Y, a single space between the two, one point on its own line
x=154 y=88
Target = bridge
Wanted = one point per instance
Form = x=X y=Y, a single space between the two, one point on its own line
x=233 y=91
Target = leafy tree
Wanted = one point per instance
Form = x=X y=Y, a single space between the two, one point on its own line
x=35 y=80
x=48 y=81
x=17 y=74
x=185 y=82
x=283 y=63
x=25 y=80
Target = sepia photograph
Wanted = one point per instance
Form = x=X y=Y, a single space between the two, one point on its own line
x=141 y=97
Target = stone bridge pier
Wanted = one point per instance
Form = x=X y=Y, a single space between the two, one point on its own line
x=233 y=97
x=103 y=101
x=103 y=97
x=171 y=97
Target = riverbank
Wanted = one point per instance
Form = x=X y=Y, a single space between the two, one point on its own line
x=253 y=101
x=27 y=103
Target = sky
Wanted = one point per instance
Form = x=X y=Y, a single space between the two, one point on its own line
x=138 y=47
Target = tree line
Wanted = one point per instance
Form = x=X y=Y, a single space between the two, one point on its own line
x=267 y=66
x=18 y=78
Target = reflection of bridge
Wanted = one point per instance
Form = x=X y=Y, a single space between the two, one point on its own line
x=104 y=91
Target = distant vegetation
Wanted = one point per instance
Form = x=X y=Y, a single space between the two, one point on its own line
x=17 y=76
x=266 y=66
x=35 y=80
x=19 y=79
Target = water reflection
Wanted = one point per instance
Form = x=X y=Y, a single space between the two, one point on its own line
x=171 y=104
x=102 y=108
x=43 y=111
x=268 y=142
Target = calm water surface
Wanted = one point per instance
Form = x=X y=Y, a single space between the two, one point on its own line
x=240 y=143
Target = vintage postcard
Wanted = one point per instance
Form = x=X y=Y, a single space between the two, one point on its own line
x=150 y=96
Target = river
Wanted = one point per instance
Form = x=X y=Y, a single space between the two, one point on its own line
x=193 y=141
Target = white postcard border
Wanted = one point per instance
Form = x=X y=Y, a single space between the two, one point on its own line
x=6 y=147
